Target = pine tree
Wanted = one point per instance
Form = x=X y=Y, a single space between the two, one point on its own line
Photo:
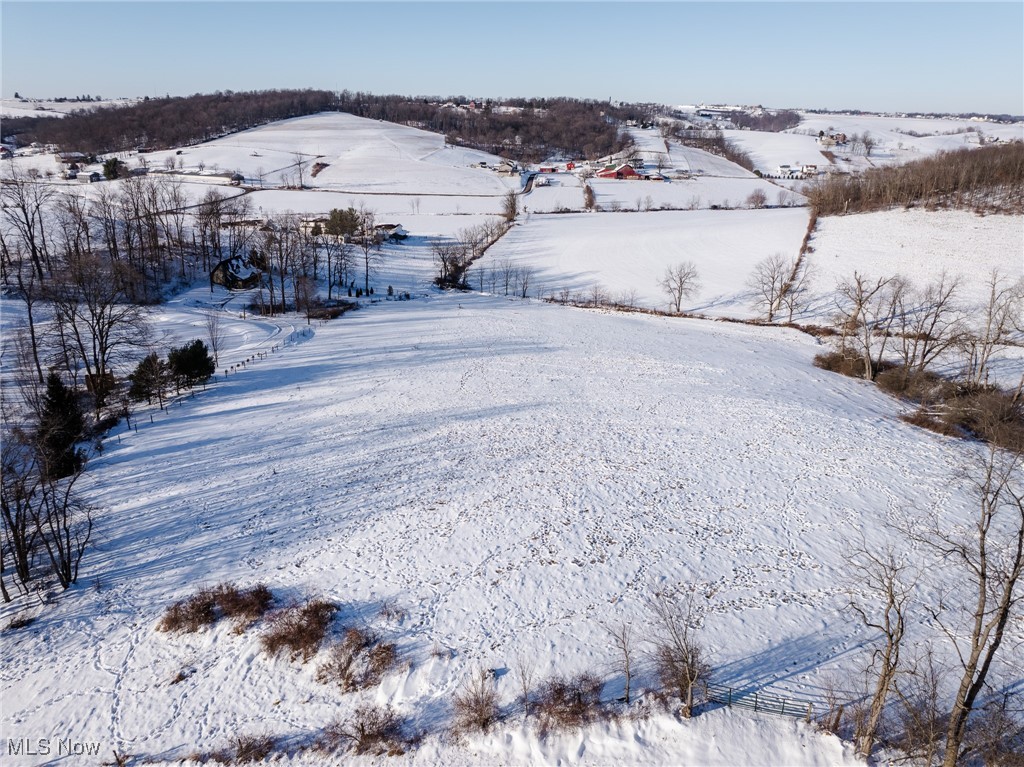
x=149 y=380
x=191 y=363
x=61 y=425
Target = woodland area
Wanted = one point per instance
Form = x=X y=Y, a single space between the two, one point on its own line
x=530 y=131
x=988 y=179
x=775 y=122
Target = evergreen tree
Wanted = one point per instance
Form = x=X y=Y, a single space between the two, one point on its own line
x=112 y=169
x=61 y=425
x=191 y=363
x=149 y=380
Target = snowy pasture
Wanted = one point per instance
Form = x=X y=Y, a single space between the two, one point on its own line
x=699 y=192
x=360 y=155
x=918 y=245
x=895 y=142
x=625 y=252
x=510 y=476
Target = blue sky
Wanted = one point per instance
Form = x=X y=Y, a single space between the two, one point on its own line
x=917 y=56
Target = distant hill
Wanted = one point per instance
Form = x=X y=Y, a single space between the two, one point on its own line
x=526 y=129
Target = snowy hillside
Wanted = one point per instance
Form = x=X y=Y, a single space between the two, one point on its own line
x=490 y=482
x=509 y=476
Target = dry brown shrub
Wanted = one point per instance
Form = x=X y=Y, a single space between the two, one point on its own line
x=190 y=615
x=359 y=660
x=299 y=629
x=567 y=703
x=926 y=420
x=476 y=705
x=992 y=415
x=252 y=748
x=371 y=729
x=837 y=362
x=245 y=606
x=381 y=659
x=208 y=605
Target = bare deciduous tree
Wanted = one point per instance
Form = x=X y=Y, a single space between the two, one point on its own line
x=95 y=318
x=991 y=559
x=214 y=333
x=679 y=283
x=679 y=657
x=1002 y=313
x=983 y=595
x=929 y=323
x=526 y=674
x=768 y=282
x=622 y=638
x=884 y=577
x=757 y=199
x=867 y=311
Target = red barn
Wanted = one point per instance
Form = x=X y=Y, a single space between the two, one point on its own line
x=621 y=171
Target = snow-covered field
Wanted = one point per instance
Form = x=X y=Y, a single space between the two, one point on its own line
x=508 y=477
x=625 y=252
x=895 y=143
x=49 y=108
x=513 y=476
x=918 y=245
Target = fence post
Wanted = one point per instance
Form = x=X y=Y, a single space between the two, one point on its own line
x=783 y=711
x=730 y=698
x=755 y=702
x=810 y=710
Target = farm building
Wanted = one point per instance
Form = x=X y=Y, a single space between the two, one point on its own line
x=619 y=171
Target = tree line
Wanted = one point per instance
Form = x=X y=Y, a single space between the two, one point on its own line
x=985 y=179
x=529 y=131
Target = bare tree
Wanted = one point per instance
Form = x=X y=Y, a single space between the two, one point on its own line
x=17 y=490
x=757 y=199
x=526 y=674
x=622 y=638
x=884 y=577
x=300 y=168
x=868 y=142
x=679 y=283
x=920 y=707
x=451 y=260
x=768 y=282
x=991 y=561
x=214 y=333
x=929 y=323
x=94 y=317
x=525 y=276
x=510 y=206
x=680 y=658
x=23 y=204
x=1002 y=314
x=867 y=311
x=369 y=243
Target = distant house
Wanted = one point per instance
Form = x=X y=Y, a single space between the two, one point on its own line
x=547 y=169
x=67 y=158
x=89 y=178
x=809 y=170
x=391 y=231
x=623 y=171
